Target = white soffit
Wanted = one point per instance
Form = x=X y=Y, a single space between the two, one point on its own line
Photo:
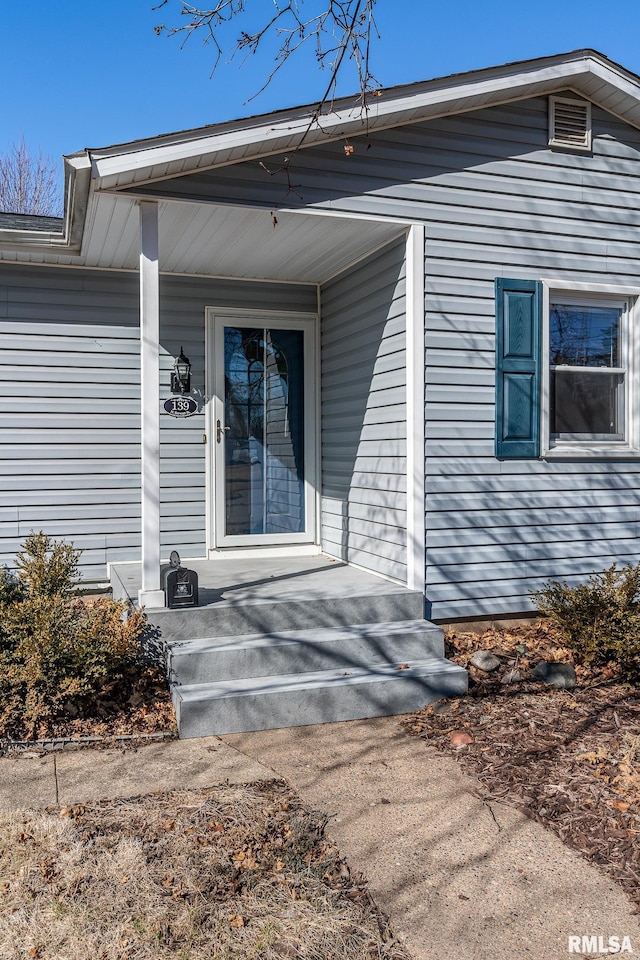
x=225 y=241
x=585 y=71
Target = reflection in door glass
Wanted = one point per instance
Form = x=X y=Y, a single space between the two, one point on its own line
x=264 y=442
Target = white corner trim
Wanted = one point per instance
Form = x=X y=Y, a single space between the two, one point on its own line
x=415 y=365
x=152 y=599
x=150 y=402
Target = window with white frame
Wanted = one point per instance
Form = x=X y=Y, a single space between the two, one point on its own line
x=589 y=370
x=567 y=369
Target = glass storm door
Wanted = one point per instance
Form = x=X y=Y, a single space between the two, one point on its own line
x=262 y=487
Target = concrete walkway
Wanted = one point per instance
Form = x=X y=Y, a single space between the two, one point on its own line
x=76 y=776
x=459 y=877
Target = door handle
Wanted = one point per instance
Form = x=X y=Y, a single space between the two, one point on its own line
x=220 y=431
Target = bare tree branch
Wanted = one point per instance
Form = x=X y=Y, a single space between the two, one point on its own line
x=28 y=182
x=338 y=29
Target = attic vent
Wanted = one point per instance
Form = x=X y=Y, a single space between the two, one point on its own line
x=569 y=123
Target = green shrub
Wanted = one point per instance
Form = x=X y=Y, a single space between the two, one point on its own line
x=598 y=620
x=54 y=647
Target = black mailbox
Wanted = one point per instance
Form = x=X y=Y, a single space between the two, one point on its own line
x=179 y=584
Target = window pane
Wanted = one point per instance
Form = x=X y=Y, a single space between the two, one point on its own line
x=582 y=335
x=586 y=405
x=264 y=442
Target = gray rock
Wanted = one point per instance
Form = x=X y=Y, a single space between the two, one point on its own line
x=555 y=674
x=485 y=661
x=511 y=676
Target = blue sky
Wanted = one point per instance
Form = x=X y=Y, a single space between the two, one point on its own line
x=78 y=74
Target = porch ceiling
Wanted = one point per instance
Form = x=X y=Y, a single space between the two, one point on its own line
x=226 y=241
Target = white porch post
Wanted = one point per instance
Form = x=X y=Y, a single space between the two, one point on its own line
x=416 y=533
x=150 y=595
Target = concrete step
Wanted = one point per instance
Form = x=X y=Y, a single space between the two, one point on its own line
x=302 y=651
x=265 y=703
x=227 y=618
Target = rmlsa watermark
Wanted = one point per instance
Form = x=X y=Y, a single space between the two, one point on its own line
x=600 y=944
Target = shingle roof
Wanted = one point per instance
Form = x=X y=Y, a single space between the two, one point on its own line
x=31 y=222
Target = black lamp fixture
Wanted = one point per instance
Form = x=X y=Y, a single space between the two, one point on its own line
x=181 y=376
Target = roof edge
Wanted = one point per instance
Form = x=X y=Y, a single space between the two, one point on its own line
x=340 y=105
x=125 y=165
x=77 y=181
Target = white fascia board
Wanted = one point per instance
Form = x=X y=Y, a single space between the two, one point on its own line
x=608 y=74
x=434 y=99
x=31 y=240
x=68 y=240
x=125 y=166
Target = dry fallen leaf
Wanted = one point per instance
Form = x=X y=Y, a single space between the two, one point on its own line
x=235 y=920
x=459 y=738
x=593 y=756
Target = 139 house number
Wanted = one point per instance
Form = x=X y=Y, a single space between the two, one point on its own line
x=180 y=406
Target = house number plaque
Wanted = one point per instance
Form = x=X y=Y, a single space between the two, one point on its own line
x=181 y=406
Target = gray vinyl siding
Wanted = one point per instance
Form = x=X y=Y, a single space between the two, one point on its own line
x=70 y=412
x=70 y=407
x=363 y=413
x=497 y=530
x=496 y=201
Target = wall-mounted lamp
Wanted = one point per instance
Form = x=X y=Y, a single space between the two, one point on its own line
x=181 y=376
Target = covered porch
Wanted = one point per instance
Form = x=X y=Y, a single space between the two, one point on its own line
x=363 y=477
x=238 y=232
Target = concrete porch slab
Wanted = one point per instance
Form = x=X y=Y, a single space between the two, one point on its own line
x=251 y=580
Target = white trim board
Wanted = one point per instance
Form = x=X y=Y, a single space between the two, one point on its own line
x=150 y=594
x=415 y=379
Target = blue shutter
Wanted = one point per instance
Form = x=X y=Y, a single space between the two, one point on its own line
x=518 y=349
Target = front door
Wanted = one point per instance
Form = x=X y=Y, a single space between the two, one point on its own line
x=263 y=430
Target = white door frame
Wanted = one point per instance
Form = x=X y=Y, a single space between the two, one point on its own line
x=216 y=317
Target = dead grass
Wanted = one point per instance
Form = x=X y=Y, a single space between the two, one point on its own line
x=229 y=872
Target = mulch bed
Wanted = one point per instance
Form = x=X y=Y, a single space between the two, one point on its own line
x=140 y=704
x=569 y=759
